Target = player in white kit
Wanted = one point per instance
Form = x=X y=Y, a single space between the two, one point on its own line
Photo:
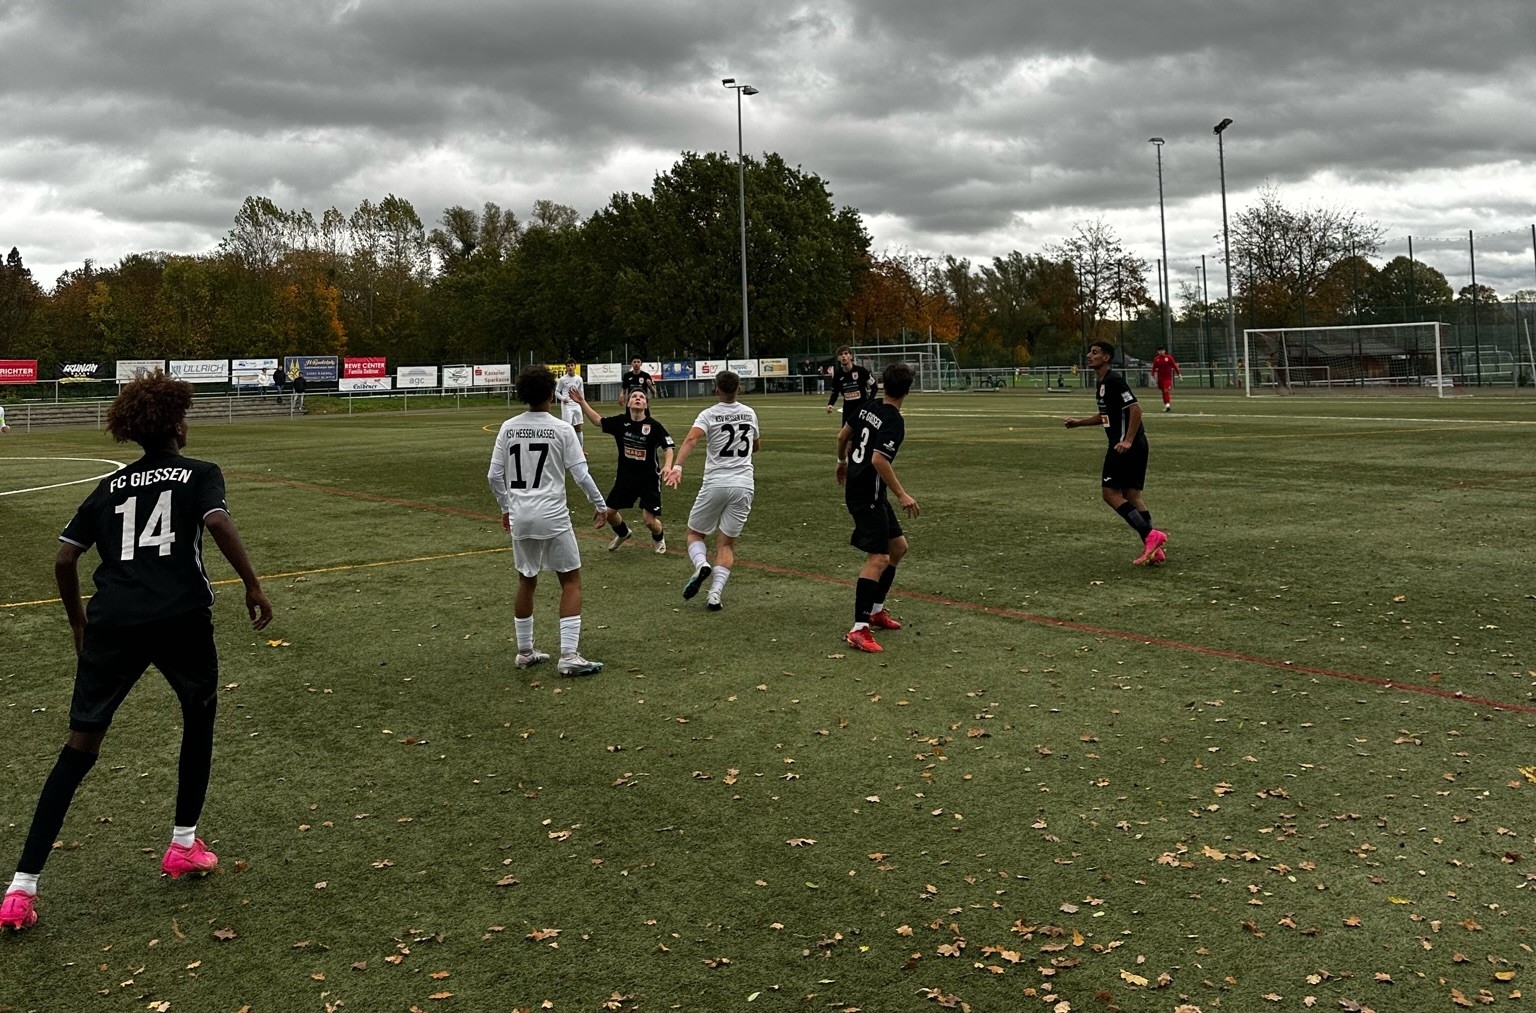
x=731 y=436
x=533 y=452
x=570 y=409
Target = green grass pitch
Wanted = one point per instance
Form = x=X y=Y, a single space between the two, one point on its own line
x=1293 y=768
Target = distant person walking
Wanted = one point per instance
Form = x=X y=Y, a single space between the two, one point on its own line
x=298 y=385
x=1164 y=368
x=152 y=607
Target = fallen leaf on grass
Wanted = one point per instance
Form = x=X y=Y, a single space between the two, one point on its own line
x=539 y=935
x=224 y=935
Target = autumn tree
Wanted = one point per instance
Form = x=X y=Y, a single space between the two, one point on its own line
x=19 y=299
x=1110 y=280
x=1284 y=258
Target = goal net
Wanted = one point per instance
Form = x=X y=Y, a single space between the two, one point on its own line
x=1372 y=358
x=933 y=361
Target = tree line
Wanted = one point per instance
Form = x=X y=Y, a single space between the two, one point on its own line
x=658 y=274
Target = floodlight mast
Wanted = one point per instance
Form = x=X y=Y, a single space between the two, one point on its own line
x=740 y=90
x=1226 y=242
x=1163 y=226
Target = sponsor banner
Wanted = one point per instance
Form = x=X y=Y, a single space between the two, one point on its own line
x=322 y=368
x=132 y=369
x=252 y=372
x=677 y=371
x=18 y=370
x=362 y=383
x=415 y=377
x=493 y=376
x=70 y=372
x=200 y=370
x=368 y=365
x=705 y=369
x=744 y=367
x=773 y=367
x=458 y=376
x=605 y=372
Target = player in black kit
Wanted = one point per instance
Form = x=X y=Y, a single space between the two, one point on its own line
x=866 y=455
x=1125 y=462
x=152 y=607
x=639 y=437
x=637 y=379
x=853 y=384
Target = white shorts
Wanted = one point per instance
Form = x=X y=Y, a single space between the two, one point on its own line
x=723 y=507
x=532 y=556
x=570 y=411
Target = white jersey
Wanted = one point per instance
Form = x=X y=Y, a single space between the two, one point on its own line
x=565 y=384
x=532 y=454
x=730 y=430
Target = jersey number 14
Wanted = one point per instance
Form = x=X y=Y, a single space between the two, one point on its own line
x=157 y=531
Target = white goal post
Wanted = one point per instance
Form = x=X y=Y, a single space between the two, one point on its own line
x=1374 y=358
x=932 y=361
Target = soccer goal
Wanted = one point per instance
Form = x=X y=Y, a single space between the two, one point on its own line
x=933 y=361
x=1371 y=358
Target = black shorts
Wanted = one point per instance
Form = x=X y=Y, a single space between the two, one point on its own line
x=114 y=657
x=874 y=527
x=1127 y=470
x=626 y=491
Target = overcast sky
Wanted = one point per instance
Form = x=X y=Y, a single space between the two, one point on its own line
x=968 y=127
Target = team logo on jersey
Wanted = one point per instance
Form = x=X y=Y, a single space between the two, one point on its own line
x=645 y=430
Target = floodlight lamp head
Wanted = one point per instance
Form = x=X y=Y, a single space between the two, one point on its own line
x=1224 y=124
x=747 y=89
x=727 y=81
x=1156 y=140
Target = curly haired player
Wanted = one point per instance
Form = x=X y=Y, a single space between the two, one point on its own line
x=153 y=606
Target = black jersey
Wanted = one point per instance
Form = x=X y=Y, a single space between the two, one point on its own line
x=879 y=429
x=1115 y=399
x=637 y=380
x=855 y=387
x=146 y=521
x=639 y=445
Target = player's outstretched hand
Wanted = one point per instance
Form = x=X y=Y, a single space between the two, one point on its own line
x=576 y=395
x=673 y=477
x=909 y=505
x=259 y=606
x=1069 y=423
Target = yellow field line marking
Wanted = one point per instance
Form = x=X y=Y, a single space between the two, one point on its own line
x=305 y=573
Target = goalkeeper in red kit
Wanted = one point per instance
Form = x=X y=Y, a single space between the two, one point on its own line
x=1164 y=368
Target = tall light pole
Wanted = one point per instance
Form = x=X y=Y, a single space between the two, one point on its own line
x=1163 y=225
x=740 y=90
x=1226 y=243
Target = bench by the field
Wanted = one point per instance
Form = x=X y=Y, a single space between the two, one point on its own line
x=27 y=416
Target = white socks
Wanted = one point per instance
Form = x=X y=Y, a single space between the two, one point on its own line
x=570 y=634
x=722 y=574
x=26 y=882
x=184 y=835
x=698 y=555
x=524 y=629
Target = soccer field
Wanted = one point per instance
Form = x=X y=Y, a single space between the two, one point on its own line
x=1295 y=762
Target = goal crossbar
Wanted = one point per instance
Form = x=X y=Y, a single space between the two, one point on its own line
x=1374 y=357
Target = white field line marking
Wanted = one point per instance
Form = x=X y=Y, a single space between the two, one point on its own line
x=59 y=485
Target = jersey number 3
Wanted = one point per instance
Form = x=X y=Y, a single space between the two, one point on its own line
x=157 y=531
x=858 y=453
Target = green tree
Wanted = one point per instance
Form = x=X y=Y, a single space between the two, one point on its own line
x=1110 y=280
x=673 y=257
x=19 y=300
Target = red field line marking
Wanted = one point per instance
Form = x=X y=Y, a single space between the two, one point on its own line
x=1177 y=645
x=1030 y=617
